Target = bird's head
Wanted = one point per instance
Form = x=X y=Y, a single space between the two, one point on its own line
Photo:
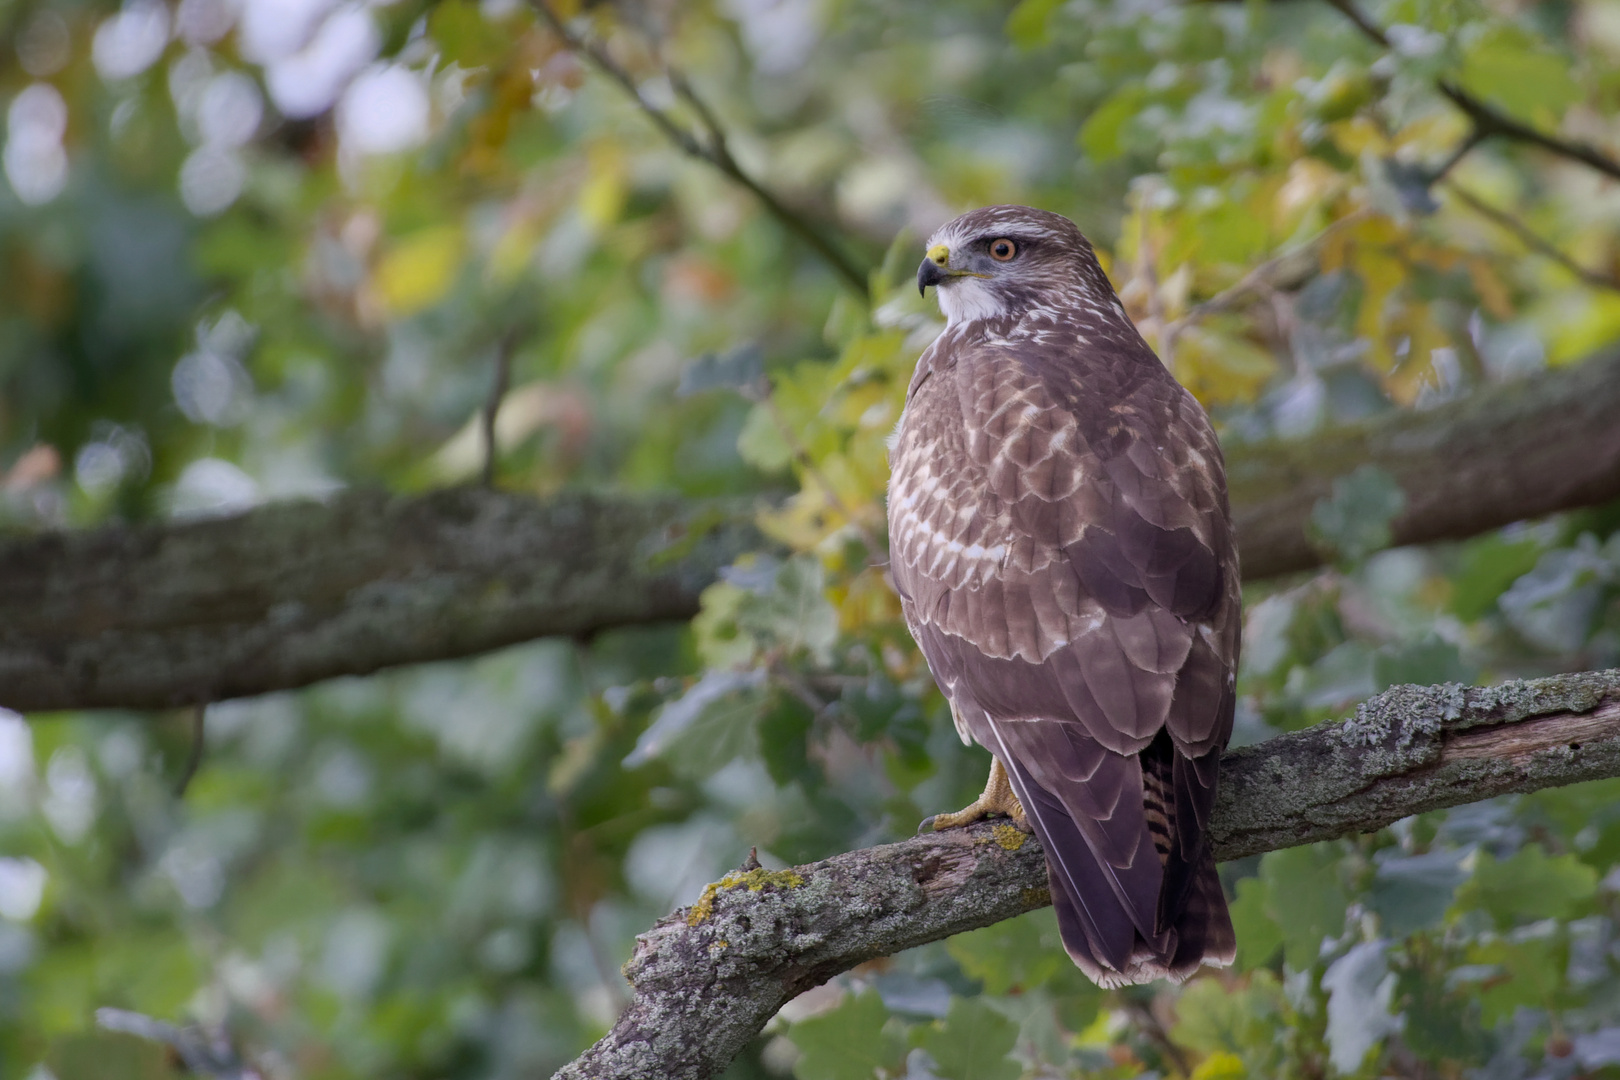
x=1010 y=261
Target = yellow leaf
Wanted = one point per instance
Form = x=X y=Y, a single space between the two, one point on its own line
x=1221 y=1065
x=1492 y=292
x=1357 y=136
x=416 y=272
x=1221 y=367
x=1576 y=323
x=1310 y=182
x=607 y=189
x=514 y=250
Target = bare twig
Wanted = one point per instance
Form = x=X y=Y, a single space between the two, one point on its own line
x=1367 y=27
x=715 y=153
x=204 y=1054
x=1476 y=135
x=497 y=390
x=1488 y=120
x=799 y=688
x=199 y=716
x=1493 y=122
x=1150 y=1027
x=1540 y=245
x=707 y=978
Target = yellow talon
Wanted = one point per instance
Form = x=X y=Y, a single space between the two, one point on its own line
x=998 y=798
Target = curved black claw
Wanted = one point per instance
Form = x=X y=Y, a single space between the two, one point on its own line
x=926 y=824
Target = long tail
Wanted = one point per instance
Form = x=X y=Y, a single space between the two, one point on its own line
x=1108 y=907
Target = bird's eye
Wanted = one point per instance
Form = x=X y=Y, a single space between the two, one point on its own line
x=1003 y=249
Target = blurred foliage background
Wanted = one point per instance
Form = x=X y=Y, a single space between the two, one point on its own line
x=263 y=249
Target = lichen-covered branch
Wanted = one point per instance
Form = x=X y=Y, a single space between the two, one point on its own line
x=706 y=979
x=170 y=614
x=284 y=595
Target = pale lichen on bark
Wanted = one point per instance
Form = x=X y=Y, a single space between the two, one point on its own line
x=705 y=982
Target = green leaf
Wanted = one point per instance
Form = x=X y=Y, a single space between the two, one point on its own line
x=1258 y=935
x=848 y=1042
x=109 y=1055
x=1027 y=23
x=1516 y=71
x=465 y=36
x=1100 y=137
x=973 y=1043
x=1355 y=520
x=1304 y=898
x=1011 y=956
x=1439 y=1023
x=761 y=443
x=1529 y=885
x=1429 y=660
x=1212 y=1017
x=1525 y=972
x=795 y=612
x=1412 y=892
x=706 y=727
x=783 y=735
x=1489 y=566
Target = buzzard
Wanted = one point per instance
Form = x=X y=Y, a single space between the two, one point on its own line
x=1061 y=543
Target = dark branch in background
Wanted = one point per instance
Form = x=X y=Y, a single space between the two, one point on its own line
x=712 y=150
x=1494 y=123
x=1490 y=122
x=1504 y=453
x=708 y=978
x=163 y=615
x=1530 y=239
x=160 y=615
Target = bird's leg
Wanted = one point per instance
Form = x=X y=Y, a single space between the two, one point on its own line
x=998 y=798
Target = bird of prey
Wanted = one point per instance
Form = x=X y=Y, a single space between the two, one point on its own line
x=1062 y=547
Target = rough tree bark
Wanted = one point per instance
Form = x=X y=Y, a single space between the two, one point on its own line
x=706 y=979
x=1514 y=451
x=282 y=596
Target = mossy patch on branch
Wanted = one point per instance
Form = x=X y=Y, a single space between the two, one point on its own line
x=752 y=880
x=1008 y=837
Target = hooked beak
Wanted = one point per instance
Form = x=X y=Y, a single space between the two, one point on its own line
x=935 y=267
x=928 y=274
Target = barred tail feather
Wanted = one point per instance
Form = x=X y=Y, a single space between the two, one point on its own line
x=1102 y=911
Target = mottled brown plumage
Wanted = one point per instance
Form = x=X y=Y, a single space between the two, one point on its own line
x=1060 y=539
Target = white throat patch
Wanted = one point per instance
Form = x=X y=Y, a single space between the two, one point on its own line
x=968 y=299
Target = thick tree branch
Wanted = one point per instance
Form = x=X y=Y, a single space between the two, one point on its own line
x=713 y=150
x=282 y=596
x=173 y=614
x=1508 y=452
x=707 y=978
